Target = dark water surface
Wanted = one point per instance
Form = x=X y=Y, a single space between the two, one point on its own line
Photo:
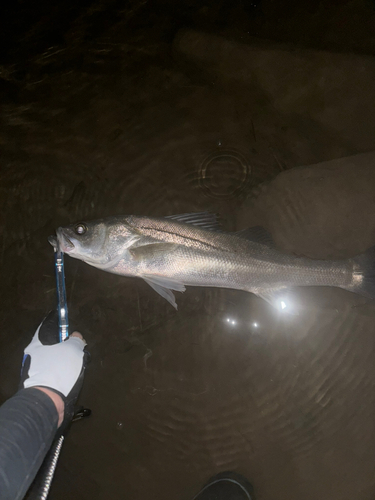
x=154 y=109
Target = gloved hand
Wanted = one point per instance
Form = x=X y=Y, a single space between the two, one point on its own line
x=58 y=367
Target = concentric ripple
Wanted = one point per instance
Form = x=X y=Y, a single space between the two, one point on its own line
x=224 y=173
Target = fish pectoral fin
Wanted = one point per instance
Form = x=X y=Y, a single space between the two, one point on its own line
x=257 y=234
x=280 y=298
x=151 y=250
x=164 y=286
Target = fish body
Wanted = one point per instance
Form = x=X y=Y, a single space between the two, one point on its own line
x=189 y=250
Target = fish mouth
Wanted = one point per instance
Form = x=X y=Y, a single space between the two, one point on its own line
x=61 y=240
x=52 y=240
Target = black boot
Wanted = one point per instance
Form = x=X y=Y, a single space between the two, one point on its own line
x=226 y=486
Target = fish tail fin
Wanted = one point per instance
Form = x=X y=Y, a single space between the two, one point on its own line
x=364 y=274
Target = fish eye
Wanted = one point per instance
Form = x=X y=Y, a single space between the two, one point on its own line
x=80 y=228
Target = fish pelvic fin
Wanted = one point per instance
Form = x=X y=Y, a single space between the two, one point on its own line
x=363 y=281
x=164 y=286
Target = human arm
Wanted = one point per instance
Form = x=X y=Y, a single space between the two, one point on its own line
x=52 y=376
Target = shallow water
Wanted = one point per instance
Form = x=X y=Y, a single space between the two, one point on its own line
x=125 y=110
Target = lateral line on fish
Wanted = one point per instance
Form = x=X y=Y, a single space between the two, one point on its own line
x=184 y=238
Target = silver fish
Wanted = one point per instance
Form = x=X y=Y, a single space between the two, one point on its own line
x=190 y=250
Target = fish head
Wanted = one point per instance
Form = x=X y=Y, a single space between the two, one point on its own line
x=95 y=242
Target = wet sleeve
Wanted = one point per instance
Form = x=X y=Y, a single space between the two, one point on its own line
x=28 y=423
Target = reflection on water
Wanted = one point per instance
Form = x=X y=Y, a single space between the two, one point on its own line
x=232 y=322
x=120 y=121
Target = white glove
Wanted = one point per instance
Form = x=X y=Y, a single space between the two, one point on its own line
x=55 y=366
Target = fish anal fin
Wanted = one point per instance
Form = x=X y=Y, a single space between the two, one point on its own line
x=280 y=299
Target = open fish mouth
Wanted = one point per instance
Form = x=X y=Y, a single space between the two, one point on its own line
x=61 y=240
x=52 y=240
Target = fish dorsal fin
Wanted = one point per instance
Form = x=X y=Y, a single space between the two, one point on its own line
x=205 y=220
x=257 y=234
